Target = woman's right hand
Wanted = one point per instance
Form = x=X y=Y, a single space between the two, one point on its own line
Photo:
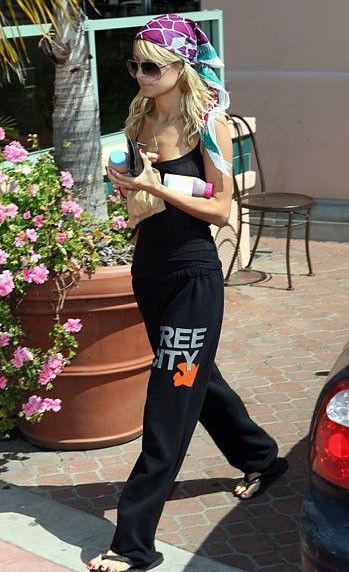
x=111 y=174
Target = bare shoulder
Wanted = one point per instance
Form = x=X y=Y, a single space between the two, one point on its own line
x=222 y=119
x=225 y=145
x=223 y=135
x=221 y=125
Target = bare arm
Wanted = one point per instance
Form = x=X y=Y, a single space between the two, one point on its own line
x=215 y=210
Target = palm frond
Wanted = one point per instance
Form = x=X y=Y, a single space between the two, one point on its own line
x=6 y=121
x=9 y=124
x=13 y=50
x=11 y=57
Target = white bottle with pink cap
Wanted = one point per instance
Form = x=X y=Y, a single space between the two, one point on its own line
x=191 y=186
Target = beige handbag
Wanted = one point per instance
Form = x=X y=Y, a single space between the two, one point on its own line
x=141 y=205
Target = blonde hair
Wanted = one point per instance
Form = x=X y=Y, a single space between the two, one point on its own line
x=196 y=95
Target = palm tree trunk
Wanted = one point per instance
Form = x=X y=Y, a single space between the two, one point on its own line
x=76 y=125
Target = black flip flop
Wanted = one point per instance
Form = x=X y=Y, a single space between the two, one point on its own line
x=265 y=479
x=133 y=567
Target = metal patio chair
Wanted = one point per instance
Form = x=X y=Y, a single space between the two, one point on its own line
x=263 y=202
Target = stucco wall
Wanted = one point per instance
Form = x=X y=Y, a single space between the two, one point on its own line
x=287 y=64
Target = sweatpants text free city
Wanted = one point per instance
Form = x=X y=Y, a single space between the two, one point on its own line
x=178 y=342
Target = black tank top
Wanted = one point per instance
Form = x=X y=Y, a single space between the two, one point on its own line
x=173 y=240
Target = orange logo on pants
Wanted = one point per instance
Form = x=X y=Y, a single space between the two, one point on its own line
x=187 y=377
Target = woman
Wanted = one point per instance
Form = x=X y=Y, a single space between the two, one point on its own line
x=178 y=284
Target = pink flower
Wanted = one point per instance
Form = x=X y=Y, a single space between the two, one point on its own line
x=3 y=382
x=70 y=206
x=40 y=274
x=3 y=256
x=3 y=177
x=8 y=211
x=46 y=375
x=27 y=215
x=33 y=189
x=21 y=355
x=37 y=274
x=3 y=214
x=52 y=404
x=2 y=134
x=11 y=210
x=33 y=405
x=39 y=220
x=118 y=222
x=6 y=283
x=35 y=258
x=51 y=368
x=112 y=199
x=31 y=234
x=14 y=152
x=36 y=404
x=55 y=362
x=4 y=339
x=72 y=325
x=66 y=179
x=27 y=274
x=61 y=237
x=20 y=239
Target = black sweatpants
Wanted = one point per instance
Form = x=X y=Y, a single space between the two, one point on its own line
x=183 y=315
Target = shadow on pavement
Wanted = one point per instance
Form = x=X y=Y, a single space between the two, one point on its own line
x=253 y=535
x=261 y=533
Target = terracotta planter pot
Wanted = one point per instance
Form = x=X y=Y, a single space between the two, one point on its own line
x=103 y=391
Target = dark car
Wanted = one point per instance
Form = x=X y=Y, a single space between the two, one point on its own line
x=325 y=522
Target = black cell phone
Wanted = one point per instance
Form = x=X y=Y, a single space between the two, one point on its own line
x=135 y=163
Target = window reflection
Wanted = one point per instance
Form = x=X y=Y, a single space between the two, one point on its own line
x=126 y=8
x=117 y=8
x=31 y=104
x=165 y=6
x=116 y=87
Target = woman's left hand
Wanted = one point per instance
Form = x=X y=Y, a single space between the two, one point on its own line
x=149 y=180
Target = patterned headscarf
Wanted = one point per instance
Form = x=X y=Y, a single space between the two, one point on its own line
x=184 y=38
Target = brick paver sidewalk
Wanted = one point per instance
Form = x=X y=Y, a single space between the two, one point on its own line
x=274 y=346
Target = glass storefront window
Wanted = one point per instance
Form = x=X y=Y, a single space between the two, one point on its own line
x=116 y=9
x=30 y=105
x=127 y=8
x=166 y=6
x=115 y=85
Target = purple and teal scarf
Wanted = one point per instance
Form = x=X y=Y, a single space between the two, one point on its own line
x=184 y=38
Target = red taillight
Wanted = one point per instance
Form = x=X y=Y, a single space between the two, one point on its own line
x=338 y=445
x=330 y=442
